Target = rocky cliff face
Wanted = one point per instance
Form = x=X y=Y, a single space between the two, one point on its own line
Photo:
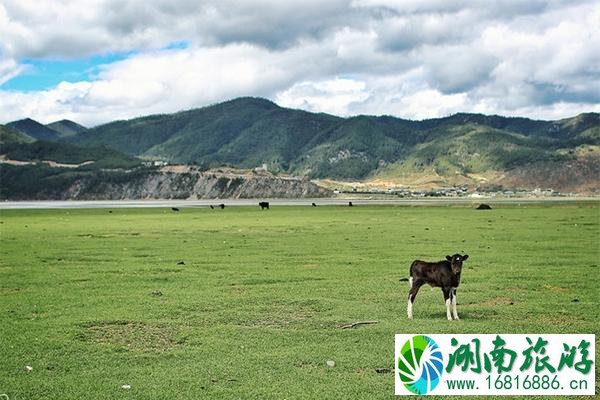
x=187 y=183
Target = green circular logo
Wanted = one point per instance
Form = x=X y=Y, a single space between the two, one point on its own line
x=420 y=364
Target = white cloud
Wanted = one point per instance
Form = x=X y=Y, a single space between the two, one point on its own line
x=164 y=81
x=413 y=59
x=332 y=96
x=9 y=68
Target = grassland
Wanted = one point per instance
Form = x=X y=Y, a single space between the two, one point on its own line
x=95 y=299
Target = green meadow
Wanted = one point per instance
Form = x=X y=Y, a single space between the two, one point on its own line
x=250 y=304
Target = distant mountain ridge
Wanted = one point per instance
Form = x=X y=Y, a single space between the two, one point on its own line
x=9 y=135
x=34 y=129
x=459 y=149
x=462 y=149
x=53 y=170
x=49 y=132
x=19 y=147
x=66 y=127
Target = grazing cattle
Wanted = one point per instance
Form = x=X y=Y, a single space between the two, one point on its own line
x=350 y=204
x=483 y=207
x=174 y=209
x=221 y=206
x=263 y=205
x=443 y=274
x=212 y=207
x=314 y=205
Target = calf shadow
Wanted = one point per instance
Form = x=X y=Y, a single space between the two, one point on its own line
x=467 y=315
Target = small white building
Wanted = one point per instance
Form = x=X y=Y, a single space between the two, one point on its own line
x=262 y=168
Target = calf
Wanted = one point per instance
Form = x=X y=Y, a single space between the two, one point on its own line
x=443 y=274
x=263 y=205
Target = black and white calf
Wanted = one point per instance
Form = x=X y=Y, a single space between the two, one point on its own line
x=444 y=274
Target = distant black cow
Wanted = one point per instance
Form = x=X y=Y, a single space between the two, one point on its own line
x=212 y=207
x=350 y=204
x=221 y=206
x=483 y=207
x=174 y=209
x=263 y=205
x=314 y=205
x=443 y=274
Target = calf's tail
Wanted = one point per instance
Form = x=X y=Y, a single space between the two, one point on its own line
x=410 y=272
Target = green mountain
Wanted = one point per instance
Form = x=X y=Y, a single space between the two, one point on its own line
x=17 y=146
x=34 y=129
x=37 y=169
x=65 y=153
x=462 y=148
x=40 y=170
x=248 y=132
x=66 y=128
x=10 y=136
x=245 y=132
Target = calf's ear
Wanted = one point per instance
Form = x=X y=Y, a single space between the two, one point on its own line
x=449 y=258
x=465 y=257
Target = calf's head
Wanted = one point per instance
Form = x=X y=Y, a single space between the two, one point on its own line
x=456 y=262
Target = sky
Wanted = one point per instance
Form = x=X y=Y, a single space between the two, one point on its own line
x=95 y=61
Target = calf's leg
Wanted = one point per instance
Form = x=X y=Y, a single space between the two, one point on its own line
x=448 y=299
x=412 y=294
x=454 y=312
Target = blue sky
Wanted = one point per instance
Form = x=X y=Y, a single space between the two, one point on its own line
x=46 y=74
x=41 y=74
x=102 y=60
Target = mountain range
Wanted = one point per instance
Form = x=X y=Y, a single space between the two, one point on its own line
x=462 y=149
x=50 y=132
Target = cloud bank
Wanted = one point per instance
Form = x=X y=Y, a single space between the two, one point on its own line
x=412 y=59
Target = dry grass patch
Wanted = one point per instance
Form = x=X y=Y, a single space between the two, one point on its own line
x=130 y=335
x=553 y=288
x=496 y=301
x=10 y=289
